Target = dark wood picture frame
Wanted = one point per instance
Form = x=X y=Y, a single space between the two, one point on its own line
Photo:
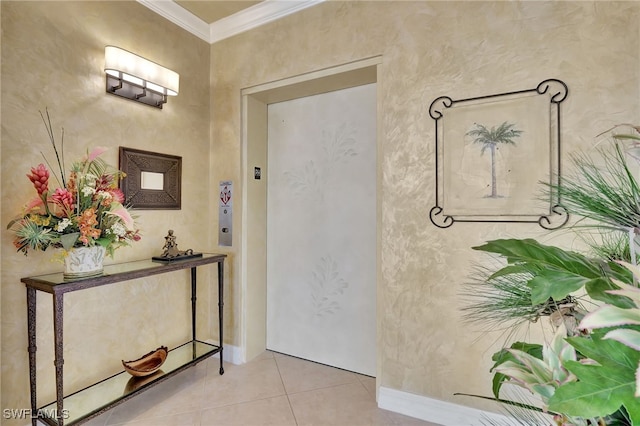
x=135 y=162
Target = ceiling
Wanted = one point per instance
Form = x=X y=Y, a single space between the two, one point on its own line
x=214 y=10
x=215 y=20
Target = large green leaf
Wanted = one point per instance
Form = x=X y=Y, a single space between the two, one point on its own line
x=532 y=252
x=554 y=284
x=619 y=271
x=512 y=269
x=556 y=273
x=598 y=290
x=601 y=388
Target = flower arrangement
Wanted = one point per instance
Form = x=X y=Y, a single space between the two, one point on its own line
x=85 y=210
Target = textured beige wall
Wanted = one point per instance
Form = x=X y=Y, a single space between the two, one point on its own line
x=430 y=49
x=53 y=56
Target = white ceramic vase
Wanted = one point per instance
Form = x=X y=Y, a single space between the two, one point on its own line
x=82 y=262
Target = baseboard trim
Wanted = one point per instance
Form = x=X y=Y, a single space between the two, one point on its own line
x=232 y=354
x=435 y=411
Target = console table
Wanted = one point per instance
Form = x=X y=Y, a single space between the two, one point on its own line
x=91 y=401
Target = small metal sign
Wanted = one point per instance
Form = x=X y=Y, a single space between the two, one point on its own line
x=225 y=217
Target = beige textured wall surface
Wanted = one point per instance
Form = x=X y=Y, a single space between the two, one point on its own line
x=53 y=57
x=431 y=49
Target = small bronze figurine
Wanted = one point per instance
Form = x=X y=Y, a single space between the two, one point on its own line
x=171 y=248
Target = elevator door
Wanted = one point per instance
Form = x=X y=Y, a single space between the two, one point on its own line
x=321 y=228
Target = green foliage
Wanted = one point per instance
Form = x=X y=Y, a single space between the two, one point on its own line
x=553 y=274
x=505 y=355
x=540 y=375
x=501 y=302
x=608 y=194
x=556 y=273
x=610 y=245
x=30 y=235
x=603 y=387
x=625 y=321
x=592 y=378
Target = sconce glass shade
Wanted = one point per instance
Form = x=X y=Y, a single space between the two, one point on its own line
x=127 y=67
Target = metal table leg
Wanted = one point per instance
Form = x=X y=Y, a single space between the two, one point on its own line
x=58 y=361
x=31 y=330
x=220 y=306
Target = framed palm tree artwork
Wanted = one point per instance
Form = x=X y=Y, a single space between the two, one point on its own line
x=497 y=155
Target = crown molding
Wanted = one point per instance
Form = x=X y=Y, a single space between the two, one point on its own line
x=255 y=16
x=245 y=20
x=180 y=16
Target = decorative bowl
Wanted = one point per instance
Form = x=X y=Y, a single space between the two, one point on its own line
x=147 y=364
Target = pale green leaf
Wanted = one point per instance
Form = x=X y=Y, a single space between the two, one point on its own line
x=625 y=336
x=545 y=391
x=627 y=290
x=517 y=372
x=505 y=355
x=610 y=316
x=68 y=240
x=536 y=366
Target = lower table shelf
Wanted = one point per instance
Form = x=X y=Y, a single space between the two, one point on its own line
x=95 y=399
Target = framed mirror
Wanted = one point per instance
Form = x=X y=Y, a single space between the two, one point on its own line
x=152 y=181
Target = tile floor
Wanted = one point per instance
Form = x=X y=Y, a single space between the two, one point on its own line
x=273 y=389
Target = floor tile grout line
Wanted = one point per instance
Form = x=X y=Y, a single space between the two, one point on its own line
x=242 y=402
x=137 y=421
x=285 y=391
x=284 y=355
x=203 y=408
x=325 y=387
x=207 y=371
x=106 y=421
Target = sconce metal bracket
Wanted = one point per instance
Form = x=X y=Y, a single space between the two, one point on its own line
x=125 y=89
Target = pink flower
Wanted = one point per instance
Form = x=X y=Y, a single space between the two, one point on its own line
x=97 y=151
x=40 y=178
x=117 y=194
x=63 y=198
x=123 y=214
x=36 y=202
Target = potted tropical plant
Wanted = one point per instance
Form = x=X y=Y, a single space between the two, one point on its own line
x=588 y=374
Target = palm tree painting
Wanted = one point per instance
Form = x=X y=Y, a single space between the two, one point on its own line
x=504 y=134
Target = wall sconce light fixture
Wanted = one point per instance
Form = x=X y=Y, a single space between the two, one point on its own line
x=133 y=77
